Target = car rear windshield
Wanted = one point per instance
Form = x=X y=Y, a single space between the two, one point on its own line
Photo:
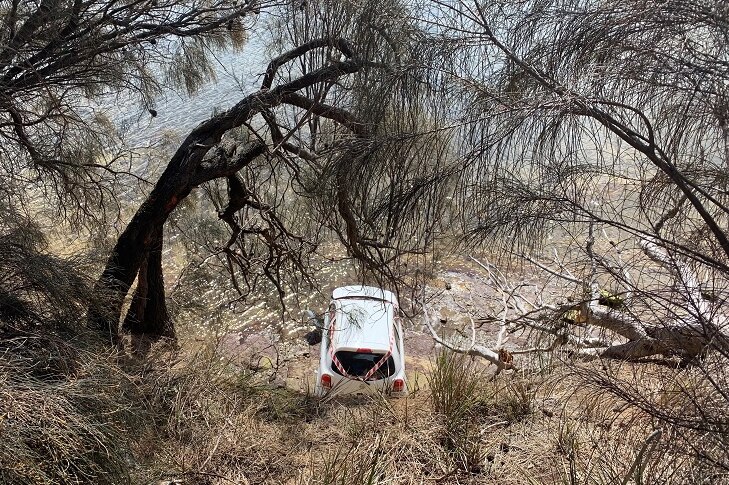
x=358 y=364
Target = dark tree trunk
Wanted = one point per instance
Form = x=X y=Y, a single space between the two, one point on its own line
x=134 y=249
x=147 y=314
x=186 y=170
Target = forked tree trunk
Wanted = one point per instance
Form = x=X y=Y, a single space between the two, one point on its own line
x=147 y=314
x=139 y=246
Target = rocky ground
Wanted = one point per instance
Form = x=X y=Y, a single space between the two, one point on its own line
x=460 y=299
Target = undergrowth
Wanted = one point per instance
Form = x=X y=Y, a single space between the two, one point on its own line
x=72 y=412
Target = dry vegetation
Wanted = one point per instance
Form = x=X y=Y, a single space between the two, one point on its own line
x=498 y=124
x=194 y=417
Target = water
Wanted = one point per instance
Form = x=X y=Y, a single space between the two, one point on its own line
x=237 y=73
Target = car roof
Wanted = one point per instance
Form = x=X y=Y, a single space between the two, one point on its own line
x=363 y=323
x=361 y=291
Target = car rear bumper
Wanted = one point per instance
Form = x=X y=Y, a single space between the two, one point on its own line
x=343 y=385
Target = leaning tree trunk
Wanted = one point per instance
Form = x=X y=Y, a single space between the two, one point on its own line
x=135 y=249
x=138 y=251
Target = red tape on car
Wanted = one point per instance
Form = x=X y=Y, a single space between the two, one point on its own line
x=335 y=360
x=380 y=362
x=338 y=364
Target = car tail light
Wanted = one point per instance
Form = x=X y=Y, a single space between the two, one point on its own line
x=364 y=351
x=326 y=381
x=398 y=385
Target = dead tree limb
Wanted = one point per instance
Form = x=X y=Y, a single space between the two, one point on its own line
x=473 y=350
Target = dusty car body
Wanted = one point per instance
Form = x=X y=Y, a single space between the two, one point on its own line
x=362 y=343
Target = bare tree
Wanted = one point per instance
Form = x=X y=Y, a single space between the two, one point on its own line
x=583 y=115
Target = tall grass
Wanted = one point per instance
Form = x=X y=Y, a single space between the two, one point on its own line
x=456 y=389
x=71 y=428
x=82 y=415
x=363 y=463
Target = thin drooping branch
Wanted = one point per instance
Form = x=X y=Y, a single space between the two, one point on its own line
x=62 y=62
x=581 y=105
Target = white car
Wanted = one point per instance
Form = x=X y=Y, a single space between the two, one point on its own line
x=362 y=347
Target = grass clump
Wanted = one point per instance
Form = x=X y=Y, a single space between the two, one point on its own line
x=360 y=463
x=71 y=429
x=456 y=389
x=510 y=399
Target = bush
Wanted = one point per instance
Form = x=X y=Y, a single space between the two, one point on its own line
x=63 y=430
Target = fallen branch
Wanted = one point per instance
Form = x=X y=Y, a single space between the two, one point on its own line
x=474 y=350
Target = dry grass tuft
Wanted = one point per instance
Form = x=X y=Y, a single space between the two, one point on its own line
x=63 y=426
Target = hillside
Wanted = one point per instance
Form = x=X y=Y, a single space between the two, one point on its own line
x=542 y=184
